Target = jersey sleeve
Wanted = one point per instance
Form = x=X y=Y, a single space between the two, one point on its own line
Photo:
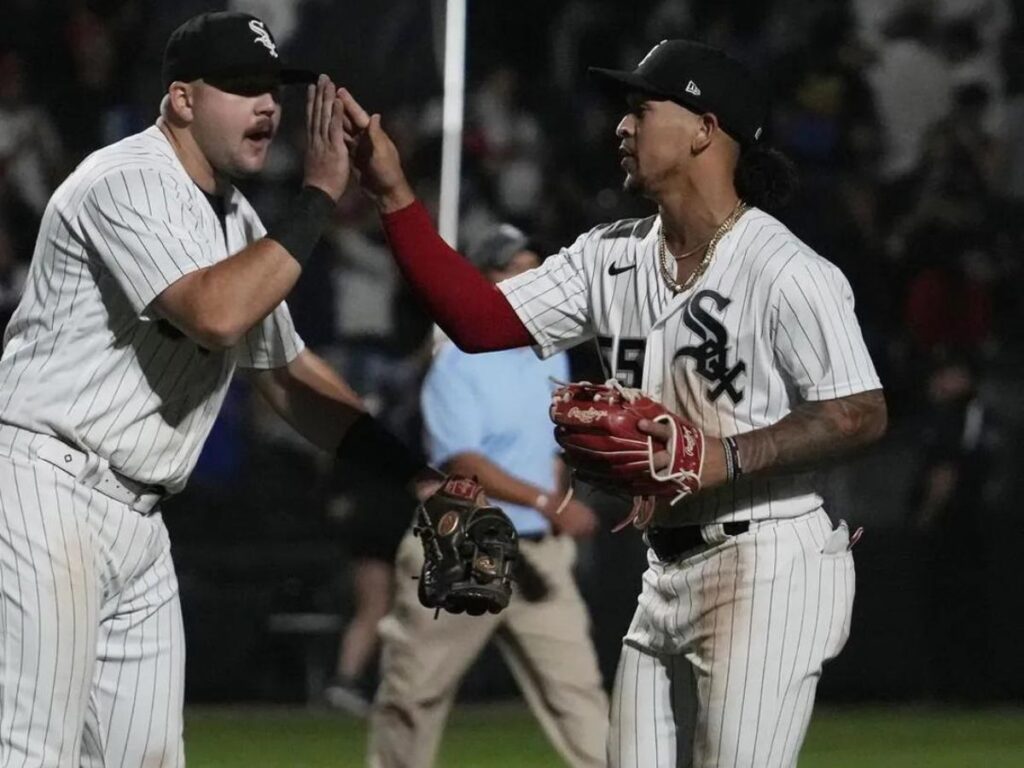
x=818 y=340
x=272 y=343
x=553 y=300
x=452 y=419
x=145 y=230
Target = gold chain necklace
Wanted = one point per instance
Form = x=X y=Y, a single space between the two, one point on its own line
x=667 y=265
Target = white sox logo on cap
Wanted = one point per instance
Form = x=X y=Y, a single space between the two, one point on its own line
x=263 y=36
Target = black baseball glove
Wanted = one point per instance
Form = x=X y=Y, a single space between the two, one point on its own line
x=469 y=550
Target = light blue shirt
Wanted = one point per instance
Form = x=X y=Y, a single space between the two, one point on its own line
x=496 y=404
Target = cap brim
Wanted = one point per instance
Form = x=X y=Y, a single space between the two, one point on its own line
x=619 y=81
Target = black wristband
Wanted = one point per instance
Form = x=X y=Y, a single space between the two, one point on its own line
x=368 y=445
x=299 y=228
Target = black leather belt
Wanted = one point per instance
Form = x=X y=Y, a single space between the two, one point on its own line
x=669 y=543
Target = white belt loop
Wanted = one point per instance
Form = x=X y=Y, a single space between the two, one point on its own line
x=93 y=471
x=62 y=456
x=713 y=533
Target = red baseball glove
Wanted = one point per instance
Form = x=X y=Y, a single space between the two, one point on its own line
x=596 y=425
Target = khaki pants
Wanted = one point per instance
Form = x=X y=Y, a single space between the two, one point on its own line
x=546 y=645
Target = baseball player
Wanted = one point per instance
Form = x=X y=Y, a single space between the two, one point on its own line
x=486 y=416
x=152 y=280
x=715 y=309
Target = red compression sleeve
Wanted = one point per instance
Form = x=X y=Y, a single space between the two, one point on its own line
x=467 y=306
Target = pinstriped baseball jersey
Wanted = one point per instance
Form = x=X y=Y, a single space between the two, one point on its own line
x=769 y=324
x=85 y=357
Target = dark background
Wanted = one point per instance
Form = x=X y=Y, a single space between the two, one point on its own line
x=905 y=120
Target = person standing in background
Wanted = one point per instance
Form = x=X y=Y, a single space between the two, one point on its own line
x=486 y=416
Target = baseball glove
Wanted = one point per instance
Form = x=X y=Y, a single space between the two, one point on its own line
x=469 y=550
x=596 y=425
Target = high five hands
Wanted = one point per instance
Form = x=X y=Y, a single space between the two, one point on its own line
x=373 y=156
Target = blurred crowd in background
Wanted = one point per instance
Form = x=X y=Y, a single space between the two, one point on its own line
x=906 y=120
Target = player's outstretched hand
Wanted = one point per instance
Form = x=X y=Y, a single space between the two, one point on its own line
x=374 y=157
x=327 y=159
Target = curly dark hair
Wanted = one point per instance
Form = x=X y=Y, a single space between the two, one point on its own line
x=765 y=177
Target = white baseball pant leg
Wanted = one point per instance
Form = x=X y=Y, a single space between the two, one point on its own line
x=726 y=648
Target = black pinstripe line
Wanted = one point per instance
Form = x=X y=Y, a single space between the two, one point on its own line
x=619 y=687
x=830 y=622
x=161 y=469
x=799 y=643
x=165 y=656
x=825 y=360
x=704 y=713
x=47 y=254
x=148 y=368
x=636 y=706
x=813 y=644
x=736 y=582
x=88 y=412
x=750 y=634
x=810 y=342
x=792 y=348
x=161 y=580
x=845 y=301
x=129 y=206
x=768 y=632
x=4 y=512
x=126 y=284
x=131 y=579
x=205 y=416
x=149 y=348
x=39 y=634
x=57 y=636
x=655 y=709
x=832 y=338
x=91 y=616
x=176 y=677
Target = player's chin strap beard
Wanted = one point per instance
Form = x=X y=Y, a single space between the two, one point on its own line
x=667 y=265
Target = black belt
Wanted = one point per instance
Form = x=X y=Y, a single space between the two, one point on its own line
x=669 y=543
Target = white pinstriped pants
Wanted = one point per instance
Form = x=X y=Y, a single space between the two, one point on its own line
x=91 y=640
x=721 y=662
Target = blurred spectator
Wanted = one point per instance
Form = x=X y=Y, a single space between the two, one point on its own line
x=907 y=71
x=949 y=303
x=511 y=151
x=30 y=157
x=949 y=512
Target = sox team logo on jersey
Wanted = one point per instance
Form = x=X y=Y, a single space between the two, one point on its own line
x=711 y=356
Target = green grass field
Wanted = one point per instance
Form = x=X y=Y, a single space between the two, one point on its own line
x=506 y=737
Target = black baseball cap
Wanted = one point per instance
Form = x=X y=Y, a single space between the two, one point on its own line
x=497 y=247
x=232 y=51
x=702 y=79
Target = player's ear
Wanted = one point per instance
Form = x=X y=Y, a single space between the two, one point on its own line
x=179 y=103
x=707 y=127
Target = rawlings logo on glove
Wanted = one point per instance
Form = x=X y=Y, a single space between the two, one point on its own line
x=596 y=425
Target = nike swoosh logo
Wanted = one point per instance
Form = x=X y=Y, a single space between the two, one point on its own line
x=614 y=270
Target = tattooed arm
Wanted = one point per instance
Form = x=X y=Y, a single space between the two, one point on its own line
x=809 y=436
x=813 y=433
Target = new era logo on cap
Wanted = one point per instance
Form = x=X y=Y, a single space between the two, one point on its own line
x=700 y=78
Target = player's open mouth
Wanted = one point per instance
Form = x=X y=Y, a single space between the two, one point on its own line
x=260 y=135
